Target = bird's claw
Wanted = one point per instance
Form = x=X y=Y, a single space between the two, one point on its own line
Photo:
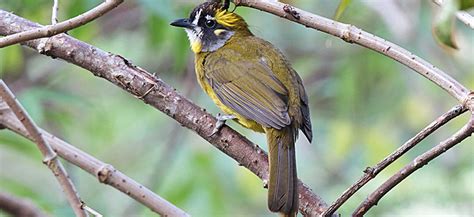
x=221 y=119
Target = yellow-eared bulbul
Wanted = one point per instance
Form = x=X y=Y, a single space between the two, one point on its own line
x=253 y=83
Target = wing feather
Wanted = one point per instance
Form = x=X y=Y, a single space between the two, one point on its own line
x=250 y=88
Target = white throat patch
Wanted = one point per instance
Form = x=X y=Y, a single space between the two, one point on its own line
x=194 y=34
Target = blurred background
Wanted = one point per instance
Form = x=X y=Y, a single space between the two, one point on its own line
x=363 y=106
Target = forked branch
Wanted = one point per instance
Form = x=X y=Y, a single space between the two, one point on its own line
x=50 y=157
x=416 y=164
x=371 y=172
x=105 y=173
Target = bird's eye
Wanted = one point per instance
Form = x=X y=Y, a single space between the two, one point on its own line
x=210 y=23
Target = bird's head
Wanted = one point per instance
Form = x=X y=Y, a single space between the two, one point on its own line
x=210 y=25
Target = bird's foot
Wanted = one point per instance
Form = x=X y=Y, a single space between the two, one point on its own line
x=221 y=119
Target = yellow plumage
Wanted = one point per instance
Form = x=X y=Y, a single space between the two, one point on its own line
x=196 y=46
x=226 y=18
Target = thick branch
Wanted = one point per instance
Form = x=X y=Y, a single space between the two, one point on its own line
x=370 y=173
x=19 y=207
x=160 y=95
x=50 y=157
x=416 y=164
x=352 y=34
x=104 y=172
x=47 y=31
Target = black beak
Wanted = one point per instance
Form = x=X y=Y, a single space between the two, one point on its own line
x=182 y=23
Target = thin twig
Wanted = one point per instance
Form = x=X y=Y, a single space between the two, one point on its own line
x=137 y=81
x=18 y=206
x=352 y=34
x=104 y=172
x=416 y=164
x=462 y=16
x=371 y=172
x=54 y=13
x=50 y=157
x=50 y=30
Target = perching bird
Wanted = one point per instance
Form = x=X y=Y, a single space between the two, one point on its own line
x=253 y=83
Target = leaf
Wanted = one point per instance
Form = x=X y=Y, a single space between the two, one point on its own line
x=443 y=28
x=466 y=4
x=341 y=8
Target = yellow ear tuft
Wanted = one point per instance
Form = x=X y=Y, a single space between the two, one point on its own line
x=226 y=18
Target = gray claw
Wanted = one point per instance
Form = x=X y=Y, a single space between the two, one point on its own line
x=221 y=119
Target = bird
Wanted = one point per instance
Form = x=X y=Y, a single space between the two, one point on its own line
x=254 y=84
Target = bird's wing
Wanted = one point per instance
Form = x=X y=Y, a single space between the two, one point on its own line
x=249 y=87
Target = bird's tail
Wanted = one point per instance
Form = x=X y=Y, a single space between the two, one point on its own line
x=283 y=183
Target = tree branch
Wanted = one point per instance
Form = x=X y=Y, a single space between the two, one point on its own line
x=352 y=34
x=370 y=173
x=50 y=157
x=104 y=172
x=19 y=207
x=416 y=164
x=160 y=95
x=50 y=30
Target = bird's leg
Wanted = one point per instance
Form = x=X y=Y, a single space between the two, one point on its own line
x=221 y=119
